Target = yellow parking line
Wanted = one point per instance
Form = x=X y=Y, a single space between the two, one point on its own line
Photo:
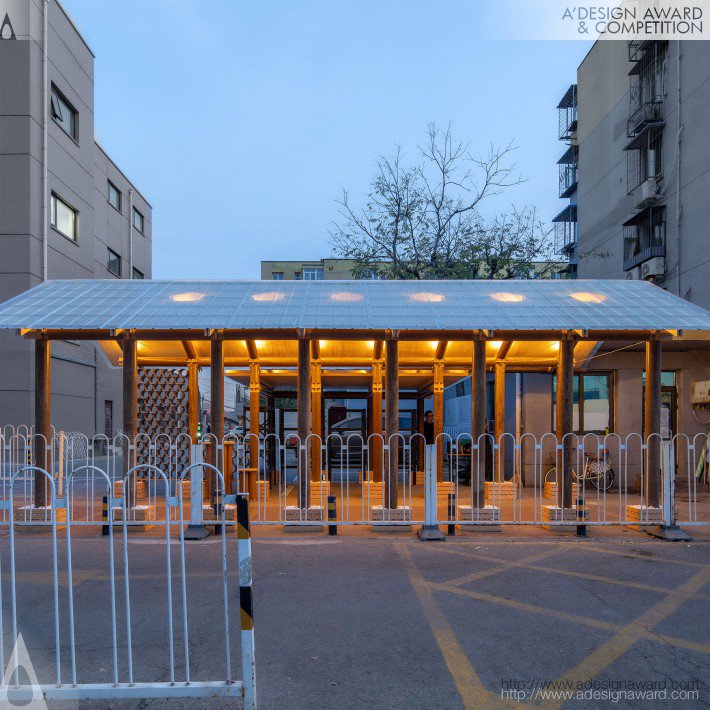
x=467 y=682
x=527 y=564
x=609 y=652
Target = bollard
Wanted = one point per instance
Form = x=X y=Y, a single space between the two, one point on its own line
x=332 y=516
x=581 y=527
x=452 y=514
x=245 y=602
x=104 y=516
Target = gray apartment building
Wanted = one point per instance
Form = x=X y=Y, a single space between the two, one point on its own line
x=66 y=209
x=635 y=175
x=639 y=144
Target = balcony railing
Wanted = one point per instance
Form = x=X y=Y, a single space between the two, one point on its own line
x=638 y=257
x=568 y=179
x=566 y=230
x=567 y=114
x=647 y=113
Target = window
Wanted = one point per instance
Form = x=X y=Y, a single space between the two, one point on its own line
x=64 y=113
x=113 y=263
x=114 y=196
x=277 y=275
x=137 y=274
x=592 y=402
x=312 y=274
x=138 y=220
x=64 y=218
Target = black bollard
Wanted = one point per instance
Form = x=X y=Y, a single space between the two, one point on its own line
x=581 y=527
x=332 y=516
x=452 y=514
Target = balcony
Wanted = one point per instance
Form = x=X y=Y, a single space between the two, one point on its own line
x=644 y=236
x=567 y=114
x=646 y=115
x=568 y=171
x=566 y=230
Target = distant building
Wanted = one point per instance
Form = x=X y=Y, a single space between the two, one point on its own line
x=330 y=269
x=66 y=211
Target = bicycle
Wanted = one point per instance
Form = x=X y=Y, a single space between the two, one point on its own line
x=597 y=471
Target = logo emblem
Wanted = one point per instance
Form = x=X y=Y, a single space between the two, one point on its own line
x=6 y=30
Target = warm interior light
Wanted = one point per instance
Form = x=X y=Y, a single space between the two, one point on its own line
x=433 y=344
x=187 y=297
x=495 y=344
x=346 y=297
x=370 y=343
x=586 y=297
x=507 y=297
x=259 y=343
x=426 y=297
x=267 y=296
x=322 y=343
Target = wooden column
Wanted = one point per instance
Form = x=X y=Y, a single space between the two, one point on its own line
x=392 y=420
x=254 y=397
x=652 y=422
x=193 y=401
x=564 y=421
x=439 y=417
x=303 y=406
x=316 y=420
x=376 y=425
x=420 y=439
x=499 y=462
x=43 y=433
x=216 y=407
x=130 y=407
x=478 y=414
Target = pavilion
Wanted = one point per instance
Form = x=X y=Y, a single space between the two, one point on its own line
x=393 y=338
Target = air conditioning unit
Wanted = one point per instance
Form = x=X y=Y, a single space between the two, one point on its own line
x=646 y=193
x=701 y=392
x=653 y=269
x=634 y=274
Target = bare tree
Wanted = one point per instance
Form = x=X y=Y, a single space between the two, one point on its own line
x=423 y=222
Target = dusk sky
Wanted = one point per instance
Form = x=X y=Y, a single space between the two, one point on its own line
x=242 y=122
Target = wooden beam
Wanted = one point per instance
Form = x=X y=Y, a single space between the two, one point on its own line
x=193 y=401
x=499 y=416
x=478 y=417
x=652 y=422
x=375 y=449
x=439 y=417
x=189 y=349
x=252 y=350
x=130 y=407
x=392 y=421
x=564 y=422
x=378 y=350
x=42 y=438
x=316 y=419
x=303 y=406
x=216 y=406
x=315 y=349
x=503 y=350
x=441 y=350
x=254 y=412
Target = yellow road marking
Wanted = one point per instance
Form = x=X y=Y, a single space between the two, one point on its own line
x=632 y=632
x=526 y=563
x=467 y=682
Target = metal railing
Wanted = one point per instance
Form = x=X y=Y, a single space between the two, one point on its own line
x=375 y=480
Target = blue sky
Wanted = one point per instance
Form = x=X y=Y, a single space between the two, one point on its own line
x=242 y=121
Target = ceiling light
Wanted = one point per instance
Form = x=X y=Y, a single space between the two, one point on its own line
x=187 y=297
x=586 y=297
x=346 y=297
x=507 y=297
x=267 y=296
x=426 y=297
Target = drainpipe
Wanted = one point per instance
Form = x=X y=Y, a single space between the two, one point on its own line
x=677 y=180
x=45 y=128
x=130 y=233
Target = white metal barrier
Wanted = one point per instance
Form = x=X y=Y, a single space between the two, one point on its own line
x=513 y=481
x=69 y=680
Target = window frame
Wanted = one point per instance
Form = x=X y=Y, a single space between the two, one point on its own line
x=53 y=199
x=137 y=271
x=136 y=211
x=579 y=377
x=111 y=253
x=56 y=93
x=277 y=275
x=109 y=186
x=313 y=273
